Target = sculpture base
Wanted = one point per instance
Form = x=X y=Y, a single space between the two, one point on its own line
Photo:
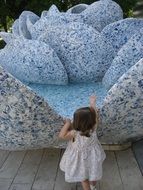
x=116 y=147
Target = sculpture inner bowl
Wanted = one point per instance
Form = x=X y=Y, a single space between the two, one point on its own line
x=67 y=98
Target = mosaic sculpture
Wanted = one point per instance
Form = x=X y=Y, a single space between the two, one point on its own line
x=53 y=63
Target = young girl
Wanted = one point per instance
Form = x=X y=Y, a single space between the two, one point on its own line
x=83 y=158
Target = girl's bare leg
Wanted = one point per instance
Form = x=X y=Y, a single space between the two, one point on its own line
x=86 y=185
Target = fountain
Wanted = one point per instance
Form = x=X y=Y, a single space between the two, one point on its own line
x=53 y=63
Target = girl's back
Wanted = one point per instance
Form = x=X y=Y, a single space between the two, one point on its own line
x=83 y=158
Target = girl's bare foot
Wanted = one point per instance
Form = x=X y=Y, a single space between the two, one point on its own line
x=92 y=187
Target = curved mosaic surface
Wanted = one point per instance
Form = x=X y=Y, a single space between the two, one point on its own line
x=61 y=59
x=101 y=13
x=22 y=24
x=118 y=33
x=33 y=61
x=77 y=9
x=128 y=55
x=83 y=51
x=26 y=120
x=122 y=112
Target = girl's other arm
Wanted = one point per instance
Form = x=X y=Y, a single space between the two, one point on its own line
x=66 y=133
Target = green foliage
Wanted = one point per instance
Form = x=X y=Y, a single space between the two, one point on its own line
x=130 y=13
x=38 y=6
x=9 y=22
x=3 y=14
x=11 y=9
x=127 y=6
x=71 y=3
x=15 y=7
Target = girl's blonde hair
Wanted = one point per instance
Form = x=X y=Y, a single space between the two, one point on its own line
x=84 y=120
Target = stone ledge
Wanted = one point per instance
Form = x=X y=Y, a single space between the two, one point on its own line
x=116 y=147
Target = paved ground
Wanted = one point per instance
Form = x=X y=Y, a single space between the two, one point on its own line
x=39 y=170
x=138 y=152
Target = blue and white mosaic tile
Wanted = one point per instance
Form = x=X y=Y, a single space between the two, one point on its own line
x=61 y=19
x=118 y=33
x=44 y=13
x=7 y=37
x=128 y=55
x=53 y=10
x=23 y=31
x=61 y=59
x=33 y=61
x=122 y=111
x=15 y=27
x=26 y=120
x=101 y=13
x=81 y=50
x=77 y=9
x=66 y=99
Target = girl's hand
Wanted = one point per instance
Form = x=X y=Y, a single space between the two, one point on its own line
x=92 y=100
x=67 y=121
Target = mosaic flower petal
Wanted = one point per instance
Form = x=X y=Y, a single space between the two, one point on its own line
x=33 y=62
x=26 y=120
x=129 y=54
x=102 y=13
x=122 y=111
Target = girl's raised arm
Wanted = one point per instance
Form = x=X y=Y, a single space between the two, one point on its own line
x=92 y=101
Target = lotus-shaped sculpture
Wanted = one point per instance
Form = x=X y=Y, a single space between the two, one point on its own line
x=51 y=64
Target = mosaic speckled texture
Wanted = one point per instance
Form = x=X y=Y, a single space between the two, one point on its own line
x=98 y=15
x=118 y=33
x=77 y=9
x=49 y=21
x=7 y=37
x=59 y=48
x=15 y=27
x=128 y=55
x=81 y=50
x=23 y=31
x=53 y=10
x=122 y=112
x=33 y=61
x=101 y=13
x=65 y=99
x=26 y=120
